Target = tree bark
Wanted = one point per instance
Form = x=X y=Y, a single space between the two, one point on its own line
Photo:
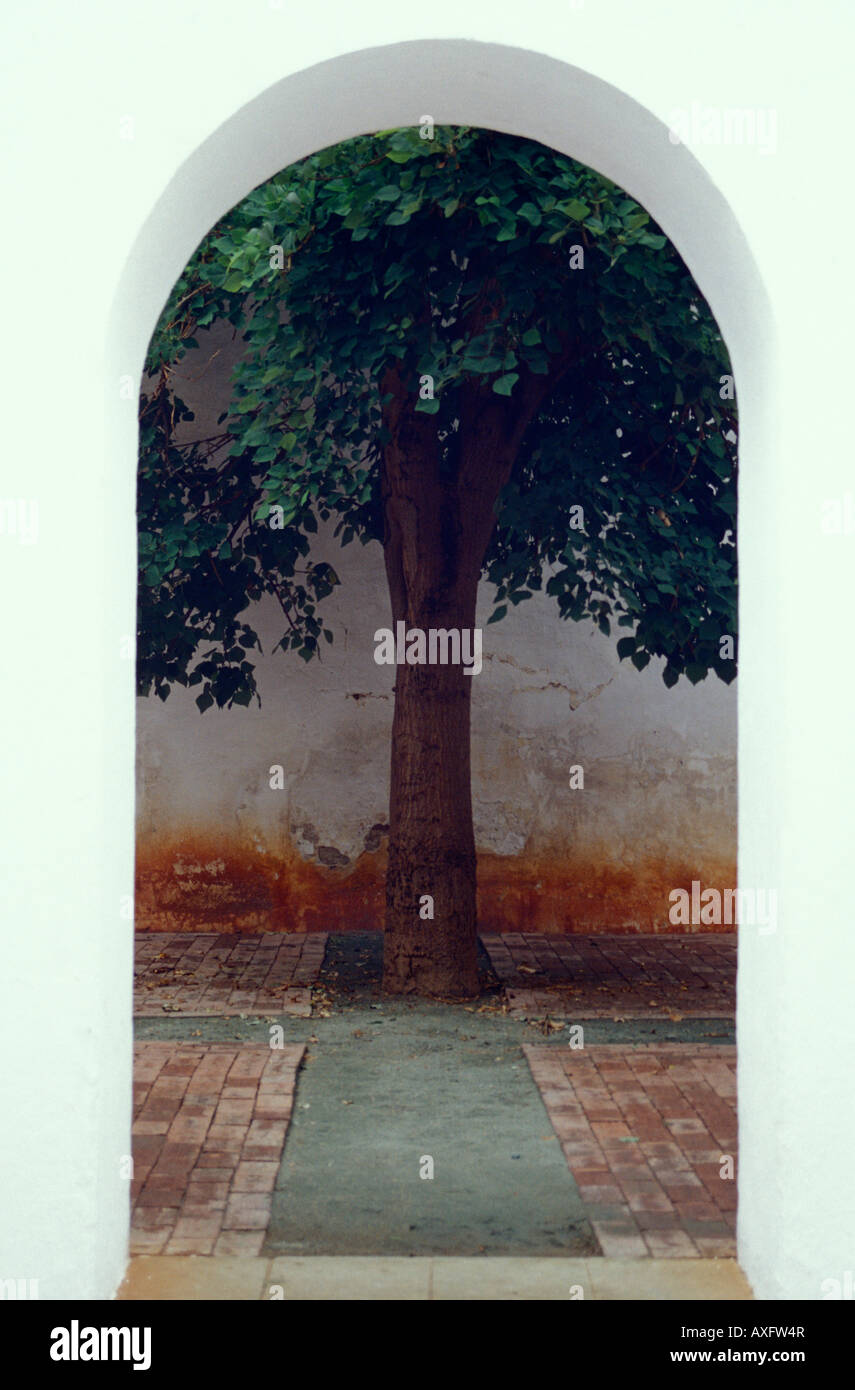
x=438 y=524
x=431 y=866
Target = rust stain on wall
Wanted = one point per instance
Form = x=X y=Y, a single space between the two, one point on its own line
x=207 y=881
x=560 y=894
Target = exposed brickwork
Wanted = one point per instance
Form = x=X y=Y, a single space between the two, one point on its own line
x=644 y=1129
x=210 y=1121
x=199 y=974
x=578 y=977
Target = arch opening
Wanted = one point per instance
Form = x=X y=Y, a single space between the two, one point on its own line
x=475 y=84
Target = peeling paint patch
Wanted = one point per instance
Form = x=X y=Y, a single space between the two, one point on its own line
x=332 y=858
x=374 y=838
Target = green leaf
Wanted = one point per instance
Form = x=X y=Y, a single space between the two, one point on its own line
x=531 y=214
x=504 y=385
x=497 y=614
x=483 y=364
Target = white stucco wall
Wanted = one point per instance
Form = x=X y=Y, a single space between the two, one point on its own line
x=96 y=229
x=218 y=847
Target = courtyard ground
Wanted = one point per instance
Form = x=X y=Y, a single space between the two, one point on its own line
x=544 y=1154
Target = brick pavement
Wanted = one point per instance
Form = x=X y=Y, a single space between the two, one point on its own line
x=202 y=974
x=644 y=1128
x=209 y=1127
x=617 y=977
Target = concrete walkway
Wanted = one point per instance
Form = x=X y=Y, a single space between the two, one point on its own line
x=362 y=1278
x=417 y=1131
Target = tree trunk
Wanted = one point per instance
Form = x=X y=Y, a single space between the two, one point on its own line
x=430 y=945
x=439 y=517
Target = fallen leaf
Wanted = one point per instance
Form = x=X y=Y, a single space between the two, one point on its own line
x=676 y=1018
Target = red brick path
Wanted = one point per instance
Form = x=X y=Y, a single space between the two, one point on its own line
x=580 y=977
x=210 y=1121
x=644 y=1129
x=198 y=974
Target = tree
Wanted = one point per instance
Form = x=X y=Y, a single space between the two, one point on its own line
x=487 y=357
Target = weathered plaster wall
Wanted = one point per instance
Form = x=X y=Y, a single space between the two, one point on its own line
x=219 y=848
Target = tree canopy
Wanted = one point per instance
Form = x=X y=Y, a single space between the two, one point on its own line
x=451 y=255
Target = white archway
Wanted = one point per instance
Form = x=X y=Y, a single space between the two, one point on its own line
x=520 y=92
x=456 y=82
x=102 y=125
